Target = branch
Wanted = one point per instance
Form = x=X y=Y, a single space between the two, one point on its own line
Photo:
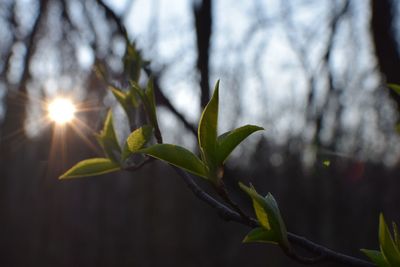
x=222 y=210
x=160 y=97
x=138 y=166
x=117 y=20
x=163 y=100
x=31 y=46
x=322 y=253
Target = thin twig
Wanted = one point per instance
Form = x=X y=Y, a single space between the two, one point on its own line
x=223 y=193
x=136 y=167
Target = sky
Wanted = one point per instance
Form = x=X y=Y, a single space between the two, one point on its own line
x=256 y=52
x=253 y=48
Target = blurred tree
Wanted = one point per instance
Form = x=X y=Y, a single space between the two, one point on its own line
x=301 y=68
x=203 y=26
x=385 y=41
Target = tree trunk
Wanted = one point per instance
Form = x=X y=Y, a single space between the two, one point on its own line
x=203 y=26
x=386 y=47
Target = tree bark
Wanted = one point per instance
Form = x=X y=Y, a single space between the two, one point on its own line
x=386 y=46
x=203 y=26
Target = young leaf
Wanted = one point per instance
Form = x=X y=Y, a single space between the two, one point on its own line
x=397 y=128
x=120 y=96
x=91 y=167
x=376 y=257
x=260 y=234
x=228 y=141
x=177 y=156
x=135 y=89
x=136 y=140
x=133 y=62
x=151 y=101
x=396 y=235
x=388 y=247
x=270 y=211
x=326 y=163
x=394 y=87
x=108 y=139
x=148 y=99
x=261 y=215
x=207 y=132
x=132 y=99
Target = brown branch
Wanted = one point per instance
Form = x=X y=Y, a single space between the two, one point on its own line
x=223 y=193
x=160 y=97
x=138 y=166
x=31 y=45
x=226 y=213
x=117 y=20
x=322 y=253
x=383 y=29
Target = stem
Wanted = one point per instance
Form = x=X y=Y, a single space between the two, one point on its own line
x=223 y=193
x=322 y=253
x=139 y=165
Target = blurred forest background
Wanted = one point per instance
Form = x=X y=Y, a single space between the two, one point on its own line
x=313 y=73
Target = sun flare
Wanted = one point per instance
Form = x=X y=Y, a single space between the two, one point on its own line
x=61 y=110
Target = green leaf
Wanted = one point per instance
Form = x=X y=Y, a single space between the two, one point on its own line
x=132 y=98
x=136 y=140
x=151 y=101
x=148 y=99
x=177 y=156
x=136 y=89
x=388 y=247
x=228 y=141
x=326 y=163
x=260 y=234
x=261 y=215
x=376 y=257
x=397 y=128
x=121 y=98
x=396 y=235
x=108 y=129
x=91 y=167
x=207 y=132
x=108 y=139
x=268 y=214
x=394 y=87
x=133 y=62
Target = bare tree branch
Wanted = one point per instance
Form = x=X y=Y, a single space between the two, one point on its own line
x=160 y=96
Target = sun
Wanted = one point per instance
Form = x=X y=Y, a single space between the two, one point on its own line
x=61 y=110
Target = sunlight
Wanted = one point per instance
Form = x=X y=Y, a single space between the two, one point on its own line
x=61 y=110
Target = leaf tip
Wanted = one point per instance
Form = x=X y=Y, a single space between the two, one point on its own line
x=216 y=88
x=326 y=163
x=246 y=240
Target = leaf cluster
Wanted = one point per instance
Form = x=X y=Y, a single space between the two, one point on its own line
x=389 y=253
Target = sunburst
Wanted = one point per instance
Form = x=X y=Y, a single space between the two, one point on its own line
x=61 y=110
